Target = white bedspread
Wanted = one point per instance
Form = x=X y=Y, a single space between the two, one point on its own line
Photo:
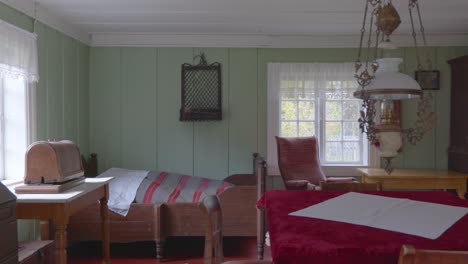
x=429 y=220
x=123 y=188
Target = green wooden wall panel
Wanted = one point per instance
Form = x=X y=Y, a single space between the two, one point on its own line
x=139 y=108
x=216 y=149
x=443 y=107
x=54 y=84
x=211 y=142
x=70 y=89
x=175 y=138
x=459 y=51
x=15 y=17
x=106 y=106
x=242 y=109
x=421 y=155
x=262 y=83
x=83 y=98
x=41 y=86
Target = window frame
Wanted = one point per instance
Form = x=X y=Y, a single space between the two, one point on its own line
x=274 y=127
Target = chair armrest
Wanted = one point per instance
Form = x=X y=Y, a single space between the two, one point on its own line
x=341 y=179
x=299 y=185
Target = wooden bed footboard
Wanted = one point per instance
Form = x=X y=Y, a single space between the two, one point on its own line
x=153 y=222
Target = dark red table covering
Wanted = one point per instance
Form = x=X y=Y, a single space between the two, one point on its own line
x=311 y=240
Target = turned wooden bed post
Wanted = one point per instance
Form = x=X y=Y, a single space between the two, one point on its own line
x=260 y=172
x=159 y=230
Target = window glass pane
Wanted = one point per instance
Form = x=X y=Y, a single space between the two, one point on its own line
x=348 y=94
x=351 y=152
x=333 y=110
x=15 y=137
x=336 y=85
x=351 y=131
x=350 y=84
x=333 y=95
x=288 y=110
x=309 y=84
x=288 y=94
x=289 y=129
x=287 y=84
x=306 y=94
x=306 y=110
x=333 y=131
x=306 y=129
x=333 y=151
x=351 y=110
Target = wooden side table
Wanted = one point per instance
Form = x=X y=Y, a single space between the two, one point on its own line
x=59 y=207
x=416 y=179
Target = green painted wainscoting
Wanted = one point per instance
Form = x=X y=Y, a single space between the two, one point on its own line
x=135 y=101
x=62 y=92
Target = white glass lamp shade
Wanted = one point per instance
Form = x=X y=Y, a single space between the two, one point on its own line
x=390 y=142
x=390 y=84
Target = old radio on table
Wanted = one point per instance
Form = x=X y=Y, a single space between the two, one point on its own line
x=52 y=167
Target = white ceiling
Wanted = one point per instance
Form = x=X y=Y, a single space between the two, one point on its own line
x=244 y=17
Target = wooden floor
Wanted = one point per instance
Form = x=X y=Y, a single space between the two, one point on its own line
x=178 y=251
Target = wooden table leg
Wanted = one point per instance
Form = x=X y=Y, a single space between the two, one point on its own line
x=461 y=190
x=105 y=231
x=45 y=229
x=60 y=243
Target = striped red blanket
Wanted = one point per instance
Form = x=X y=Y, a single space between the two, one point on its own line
x=164 y=187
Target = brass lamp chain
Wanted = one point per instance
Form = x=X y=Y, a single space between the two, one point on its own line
x=367 y=115
x=364 y=78
x=414 y=4
x=426 y=119
x=411 y=5
x=366 y=120
x=423 y=35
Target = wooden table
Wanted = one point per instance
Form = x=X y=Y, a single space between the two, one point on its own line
x=416 y=179
x=59 y=207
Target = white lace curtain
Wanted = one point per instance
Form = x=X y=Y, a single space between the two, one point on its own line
x=18 y=53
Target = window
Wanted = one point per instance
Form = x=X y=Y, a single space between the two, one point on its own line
x=316 y=99
x=13 y=127
x=18 y=73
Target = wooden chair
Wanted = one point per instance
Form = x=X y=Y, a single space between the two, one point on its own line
x=410 y=255
x=211 y=210
x=345 y=186
x=299 y=163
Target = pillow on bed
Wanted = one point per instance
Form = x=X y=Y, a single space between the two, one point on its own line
x=164 y=187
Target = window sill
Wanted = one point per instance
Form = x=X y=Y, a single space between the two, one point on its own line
x=330 y=170
x=11 y=182
x=342 y=170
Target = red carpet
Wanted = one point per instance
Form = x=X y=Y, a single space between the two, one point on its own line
x=178 y=251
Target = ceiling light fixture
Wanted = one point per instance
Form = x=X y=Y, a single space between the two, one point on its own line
x=378 y=76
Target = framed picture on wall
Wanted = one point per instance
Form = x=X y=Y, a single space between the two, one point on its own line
x=428 y=80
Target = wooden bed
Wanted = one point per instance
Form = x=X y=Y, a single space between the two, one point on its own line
x=156 y=222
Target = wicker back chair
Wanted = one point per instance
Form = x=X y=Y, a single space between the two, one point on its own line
x=299 y=164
